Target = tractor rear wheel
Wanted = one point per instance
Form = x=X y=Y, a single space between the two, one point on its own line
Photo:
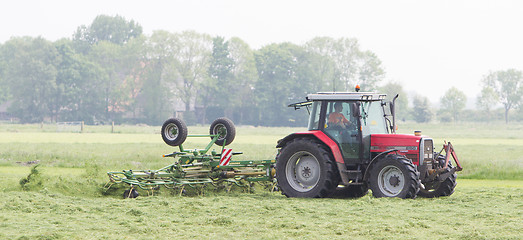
x=437 y=188
x=174 y=132
x=223 y=127
x=305 y=168
x=394 y=176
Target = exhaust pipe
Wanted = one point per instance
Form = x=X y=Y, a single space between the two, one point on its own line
x=393 y=112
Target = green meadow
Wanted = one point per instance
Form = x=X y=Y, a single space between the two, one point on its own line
x=66 y=197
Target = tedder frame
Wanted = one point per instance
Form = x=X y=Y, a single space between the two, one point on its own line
x=198 y=166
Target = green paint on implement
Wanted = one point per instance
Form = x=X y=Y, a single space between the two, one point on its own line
x=198 y=166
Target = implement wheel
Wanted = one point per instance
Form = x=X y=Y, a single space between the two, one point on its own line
x=131 y=193
x=223 y=127
x=174 y=132
x=394 y=176
x=305 y=168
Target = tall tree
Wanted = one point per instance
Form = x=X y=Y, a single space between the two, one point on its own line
x=346 y=61
x=4 y=86
x=454 y=101
x=115 y=44
x=79 y=86
x=325 y=51
x=122 y=65
x=245 y=76
x=192 y=60
x=402 y=102
x=421 y=110
x=370 y=71
x=508 y=85
x=107 y=55
x=284 y=76
x=487 y=100
x=133 y=70
x=31 y=76
x=156 y=101
x=115 y=29
x=343 y=64
x=218 y=89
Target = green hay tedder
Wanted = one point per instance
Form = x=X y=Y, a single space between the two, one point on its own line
x=194 y=167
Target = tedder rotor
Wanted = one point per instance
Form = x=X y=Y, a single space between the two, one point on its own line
x=198 y=166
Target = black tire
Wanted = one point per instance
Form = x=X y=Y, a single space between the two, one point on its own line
x=225 y=128
x=318 y=176
x=437 y=188
x=352 y=191
x=174 y=132
x=130 y=193
x=394 y=176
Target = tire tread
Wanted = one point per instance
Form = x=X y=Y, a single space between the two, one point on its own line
x=332 y=176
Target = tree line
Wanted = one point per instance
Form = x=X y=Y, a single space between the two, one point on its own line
x=110 y=71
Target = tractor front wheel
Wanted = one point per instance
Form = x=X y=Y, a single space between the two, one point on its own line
x=305 y=168
x=440 y=189
x=394 y=176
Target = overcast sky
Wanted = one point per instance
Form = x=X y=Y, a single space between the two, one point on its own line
x=428 y=46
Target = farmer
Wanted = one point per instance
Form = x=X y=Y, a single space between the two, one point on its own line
x=337 y=118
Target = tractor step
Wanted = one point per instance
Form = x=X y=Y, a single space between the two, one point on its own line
x=354 y=175
x=356 y=183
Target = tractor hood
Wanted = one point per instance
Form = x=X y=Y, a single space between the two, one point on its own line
x=406 y=144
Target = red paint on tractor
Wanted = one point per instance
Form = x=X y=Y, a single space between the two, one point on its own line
x=407 y=145
x=328 y=141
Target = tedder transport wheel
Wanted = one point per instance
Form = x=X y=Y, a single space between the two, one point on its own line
x=304 y=168
x=225 y=128
x=394 y=176
x=437 y=188
x=174 y=132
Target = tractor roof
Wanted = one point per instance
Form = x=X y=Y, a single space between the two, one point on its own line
x=362 y=96
x=341 y=96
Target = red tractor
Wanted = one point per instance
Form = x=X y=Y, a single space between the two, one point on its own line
x=351 y=145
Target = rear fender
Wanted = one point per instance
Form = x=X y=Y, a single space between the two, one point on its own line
x=322 y=137
x=318 y=135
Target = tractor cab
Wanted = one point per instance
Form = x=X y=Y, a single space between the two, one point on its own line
x=349 y=119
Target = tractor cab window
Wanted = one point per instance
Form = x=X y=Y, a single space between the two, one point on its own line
x=342 y=126
x=314 y=120
x=372 y=122
x=338 y=115
x=372 y=119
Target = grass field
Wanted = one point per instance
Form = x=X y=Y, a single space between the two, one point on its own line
x=66 y=200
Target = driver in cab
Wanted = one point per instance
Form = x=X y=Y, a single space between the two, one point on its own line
x=336 y=118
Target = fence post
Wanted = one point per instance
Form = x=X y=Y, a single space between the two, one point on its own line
x=112 y=127
x=82 y=127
